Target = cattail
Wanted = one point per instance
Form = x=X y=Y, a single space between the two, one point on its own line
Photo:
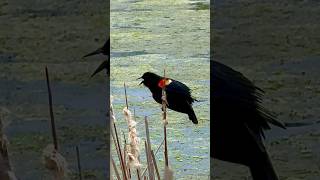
x=55 y=162
x=117 y=142
x=4 y=112
x=134 y=140
x=6 y=172
x=168 y=173
x=113 y=117
x=165 y=121
x=164 y=107
x=133 y=161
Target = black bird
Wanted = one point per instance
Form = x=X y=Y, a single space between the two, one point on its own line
x=238 y=122
x=178 y=94
x=105 y=50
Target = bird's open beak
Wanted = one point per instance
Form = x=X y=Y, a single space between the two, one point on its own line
x=139 y=79
x=98 y=51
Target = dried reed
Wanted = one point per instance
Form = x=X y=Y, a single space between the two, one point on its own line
x=79 y=162
x=55 y=162
x=165 y=121
x=131 y=151
x=6 y=172
x=134 y=140
x=52 y=159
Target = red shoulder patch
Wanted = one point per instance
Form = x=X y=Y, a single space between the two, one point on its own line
x=164 y=82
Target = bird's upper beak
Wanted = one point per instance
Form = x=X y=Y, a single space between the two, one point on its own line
x=141 y=81
x=98 y=51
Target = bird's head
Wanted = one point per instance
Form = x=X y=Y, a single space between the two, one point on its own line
x=152 y=80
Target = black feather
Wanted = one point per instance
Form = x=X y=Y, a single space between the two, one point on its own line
x=178 y=94
x=238 y=120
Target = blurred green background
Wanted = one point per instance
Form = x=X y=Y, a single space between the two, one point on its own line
x=276 y=44
x=53 y=33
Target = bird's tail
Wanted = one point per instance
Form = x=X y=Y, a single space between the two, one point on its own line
x=263 y=169
x=193 y=117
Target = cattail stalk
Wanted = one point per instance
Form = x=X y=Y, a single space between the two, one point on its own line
x=79 y=163
x=115 y=169
x=148 y=151
x=116 y=142
x=149 y=162
x=145 y=170
x=164 y=109
x=119 y=151
x=53 y=160
x=125 y=94
x=155 y=164
x=53 y=127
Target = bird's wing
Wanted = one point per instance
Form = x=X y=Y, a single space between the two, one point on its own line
x=234 y=88
x=232 y=85
x=179 y=89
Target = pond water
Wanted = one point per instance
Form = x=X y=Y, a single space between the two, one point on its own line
x=150 y=36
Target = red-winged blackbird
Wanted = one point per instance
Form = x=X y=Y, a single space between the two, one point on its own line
x=178 y=94
x=238 y=122
x=105 y=50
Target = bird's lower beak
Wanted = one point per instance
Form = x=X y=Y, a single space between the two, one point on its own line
x=141 y=81
x=98 y=51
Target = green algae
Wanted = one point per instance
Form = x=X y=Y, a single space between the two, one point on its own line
x=176 y=38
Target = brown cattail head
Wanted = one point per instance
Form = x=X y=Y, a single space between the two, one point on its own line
x=6 y=172
x=55 y=162
x=113 y=116
x=4 y=113
x=134 y=140
x=168 y=173
x=133 y=161
x=4 y=120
